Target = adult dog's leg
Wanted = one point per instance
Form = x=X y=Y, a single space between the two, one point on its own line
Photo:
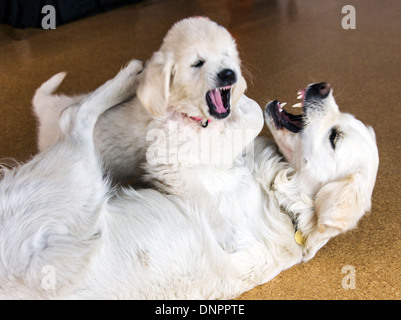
x=51 y=208
x=48 y=106
x=77 y=122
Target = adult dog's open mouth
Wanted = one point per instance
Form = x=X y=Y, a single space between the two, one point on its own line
x=218 y=101
x=310 y=98
x=284 y=119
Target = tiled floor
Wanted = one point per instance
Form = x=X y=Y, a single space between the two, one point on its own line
x=284 y=45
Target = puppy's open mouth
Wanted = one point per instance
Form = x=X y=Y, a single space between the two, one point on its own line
x=218 y=101
x=285 y=120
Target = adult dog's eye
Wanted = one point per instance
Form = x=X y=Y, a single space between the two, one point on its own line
x=198 y=64
x=334 y=134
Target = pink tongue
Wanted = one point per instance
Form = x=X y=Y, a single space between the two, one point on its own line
x=217 y=101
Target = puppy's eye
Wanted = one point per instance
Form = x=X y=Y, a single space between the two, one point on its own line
x=198 y=64
x=334 y=134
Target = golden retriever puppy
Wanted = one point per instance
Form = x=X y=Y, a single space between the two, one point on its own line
x=189 y=116
x=193 y=80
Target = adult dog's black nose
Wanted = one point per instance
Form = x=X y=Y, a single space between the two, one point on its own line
x=227 y=77
x=318 y=90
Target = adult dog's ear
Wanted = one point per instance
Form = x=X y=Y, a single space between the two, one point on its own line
x=238 y=90
x=154 y=87
x=340 y=204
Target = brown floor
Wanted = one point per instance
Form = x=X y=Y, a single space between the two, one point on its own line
x=284 y=45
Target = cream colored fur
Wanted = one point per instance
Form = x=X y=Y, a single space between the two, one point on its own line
x=170 y=88
x=65 y=233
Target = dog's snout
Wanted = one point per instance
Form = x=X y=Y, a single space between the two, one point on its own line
x=323 y=89
x=319 y=90
x=227 y=77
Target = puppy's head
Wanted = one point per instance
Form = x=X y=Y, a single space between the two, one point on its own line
x=334 y=154
x=196 y=71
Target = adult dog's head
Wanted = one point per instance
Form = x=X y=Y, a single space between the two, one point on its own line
x=196 y=71
x=334 y=155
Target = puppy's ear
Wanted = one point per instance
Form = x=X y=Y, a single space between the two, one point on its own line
x=340 y=204
x=154 y=87
x=238 y=90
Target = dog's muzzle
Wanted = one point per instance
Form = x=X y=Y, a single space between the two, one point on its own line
x=310 y=97
x=219 y=99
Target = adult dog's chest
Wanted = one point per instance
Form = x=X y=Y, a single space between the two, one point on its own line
x=235 y=192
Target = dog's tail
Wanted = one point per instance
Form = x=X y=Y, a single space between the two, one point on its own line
x=51 y=85
x=47 y=107
x=45 y=91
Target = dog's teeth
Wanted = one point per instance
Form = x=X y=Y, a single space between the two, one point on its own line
x=297 y=105
x=223 y=88
x=300 y=94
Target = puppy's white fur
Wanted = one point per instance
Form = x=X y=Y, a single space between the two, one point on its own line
x=57 y=211
x=170 y=88
x=170 y=93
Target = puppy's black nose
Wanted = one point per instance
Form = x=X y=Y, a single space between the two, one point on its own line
x=227 y=77
x=319 y=90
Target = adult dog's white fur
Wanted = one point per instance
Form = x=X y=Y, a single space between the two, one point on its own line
x=58 y=213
